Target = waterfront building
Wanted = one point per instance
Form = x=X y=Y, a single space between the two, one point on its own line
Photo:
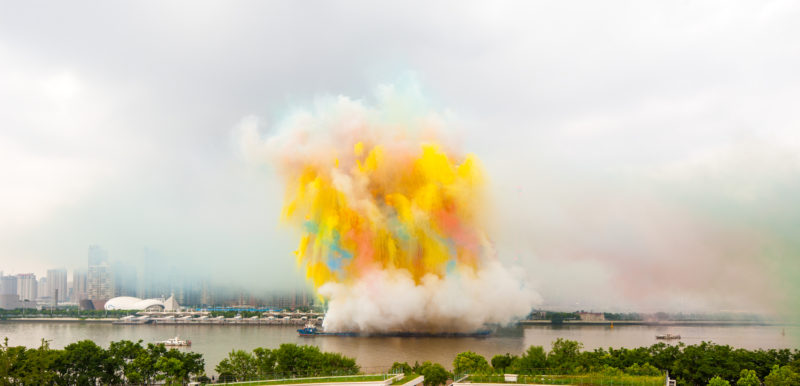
x=57 y=285
x=98 y=280
x=137 y=304
x=592 y=316
x=27 y=287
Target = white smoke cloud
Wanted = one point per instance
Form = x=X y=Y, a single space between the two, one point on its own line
x=392 y=301
x=389 y=300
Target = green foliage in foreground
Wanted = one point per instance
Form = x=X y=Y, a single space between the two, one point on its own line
x=434 y=373
x=690 y=365
x=287 y=361
x=583 y=379
x=717 y=381
x=470 y=362
x=356 y=378
x=782 y=376
x=85 y=363
x=748 y=378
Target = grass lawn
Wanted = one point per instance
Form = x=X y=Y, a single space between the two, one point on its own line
x=405 y=378
x=585 y=379
x=351 y=378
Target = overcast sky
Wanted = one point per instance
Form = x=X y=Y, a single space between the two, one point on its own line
x=642 y=155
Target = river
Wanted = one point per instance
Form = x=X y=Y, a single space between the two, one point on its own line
x=377 y=354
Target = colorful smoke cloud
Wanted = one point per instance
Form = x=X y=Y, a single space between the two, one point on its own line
x=391 y=217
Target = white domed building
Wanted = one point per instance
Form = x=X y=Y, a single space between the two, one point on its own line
x=132 y=303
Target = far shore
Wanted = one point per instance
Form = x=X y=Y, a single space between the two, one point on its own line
x=608 y=323
x=655 y=323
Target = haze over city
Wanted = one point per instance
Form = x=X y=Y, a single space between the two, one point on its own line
x=637 y=161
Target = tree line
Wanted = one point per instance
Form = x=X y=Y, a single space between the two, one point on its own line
x=126 y=362
x=689 y=364
x=86 y=363
x=287 y=361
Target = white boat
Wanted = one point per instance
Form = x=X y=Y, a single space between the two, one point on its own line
x=176 y=342
x=668 y=336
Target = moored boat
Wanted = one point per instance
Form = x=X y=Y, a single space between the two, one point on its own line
x=311 y=329
x=668 y=336
x=176 y=342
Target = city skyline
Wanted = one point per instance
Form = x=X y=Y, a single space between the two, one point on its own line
x=103 y=278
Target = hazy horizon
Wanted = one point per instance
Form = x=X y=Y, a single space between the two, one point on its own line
x=640 y=157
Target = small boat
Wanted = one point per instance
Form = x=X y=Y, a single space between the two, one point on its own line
x=176 y=342
x=311 y=330
x=668 y=336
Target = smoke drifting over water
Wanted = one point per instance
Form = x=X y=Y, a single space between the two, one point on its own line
x=391 y=216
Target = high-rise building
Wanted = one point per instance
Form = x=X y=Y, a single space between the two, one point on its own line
x=8 y=285
x=79 y=286
x=98 y=280
x=8 y=292
x=205 y=294
x=27 y=286
x=57 y=285
x=123 y=279
x=41 y=288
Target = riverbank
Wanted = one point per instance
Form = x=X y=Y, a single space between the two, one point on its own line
x=665 y=323
x=59 y=320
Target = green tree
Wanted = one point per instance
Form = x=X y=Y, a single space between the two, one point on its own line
x=565 y=354
x=717 y=381
x=170 y=370
x=337 y=364
x=5 y=363
x=699 y=363
x=434 y=374
x=645 y=369
x=502 y=362
x=142 y=369
x=293 y=360
x=240 y=364
x=748 y=378
x=190 y=364
x=782 y=376
x=534 y=358
x=265 y=361
x=35 y=366
x=83 y=363
x=469 y=362
x=398 y=367
x=122 y=355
